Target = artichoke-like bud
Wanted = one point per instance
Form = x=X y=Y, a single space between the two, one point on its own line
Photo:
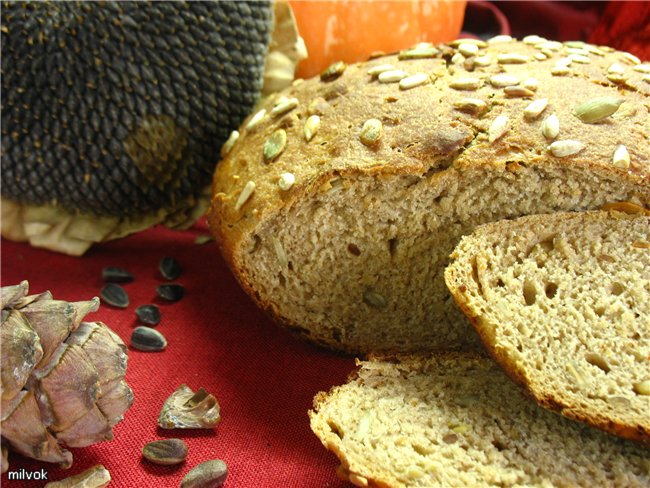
x=62 y=380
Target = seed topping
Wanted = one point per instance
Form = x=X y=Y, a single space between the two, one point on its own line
x=286 y=181
x=371 y=132
x=413 y=81
x=498 y=128
x=256 y=119
x=284 y=106
x=560 y=70
x=598 y=109
x=274 y=145
x=311 y=127
x=468 y=49
x=535 y=108
x=502 y=80
x=229 y=144
x=462 y=41
x=530 y=84
x=500 y=39
x=518 y=91
x=580 y=58
x=550 y=45
x=485 y=60
x=512 y=58
x=392 y=76
x=533 y=39
x=616 y=69
x=642 y=68
x=418 y=52
x=621 y=158
x=631 y=58
x=562 y=149
x=333 y=71
x=551 y=126
x=465 y=84
x=245 y=194
x=376 y=70
x=474 y=106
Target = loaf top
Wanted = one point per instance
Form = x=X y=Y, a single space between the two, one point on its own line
x=456 y=420
x=498 y=104
x=562 y=302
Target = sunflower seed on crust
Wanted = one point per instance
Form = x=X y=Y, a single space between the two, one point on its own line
x=551 y=127
x=498 y=128
x=471 y=105
x=376 y=70
x=465 y=83
x=512 y=58
x=502 y=80
x=371 y=132
x=598 y=109
x=621 y=158
x=535 y=108
x=518 y=91
x=274 y=145
x=311 y=127
x=413 y=81
x=286 y=181
x=562 y=149
x=245 y=194
x=256 y=119
x=229 y=144
x=392 y=76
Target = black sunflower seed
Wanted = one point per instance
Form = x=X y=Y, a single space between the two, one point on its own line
x=112 y=274
x=148 y=314
x=148 y=339
x=169 y=268
x=172 y=292
x=114 y=295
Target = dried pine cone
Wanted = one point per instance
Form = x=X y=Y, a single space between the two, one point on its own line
x=62 y=380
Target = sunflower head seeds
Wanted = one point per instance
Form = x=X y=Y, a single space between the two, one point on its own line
x=166 y=452
x=598 y=109
x=148 y=314
x=148 y=339
x=209 y=474
x=169 y=268
x=171 y=292
x=112 y=274
x=114 y=295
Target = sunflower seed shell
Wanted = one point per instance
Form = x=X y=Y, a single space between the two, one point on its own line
x=147 y=339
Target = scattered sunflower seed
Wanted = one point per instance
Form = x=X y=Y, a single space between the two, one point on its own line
x=530 y=84
x=374 y=299
x=171 y=292
x=535 y=108
x=418 y=52
x=185 y=409
x=209 y=474
x=500 y=39
x=286 y=181
x=114 y=295
x=376 y=70
x=203 y=239
x=148 y=314
x=518 y=91
x=274 y=145
x=166 y=452
x=642 y=68
x=616 y=69
x=560 y=70
x=468 y=49
x=284 y=106
x=512 y=58
x=562 y=149
x=311 y=127
x=498 y=128
x=95 y=477
x=459 y=42
x=391 y=76
x=112 y=274
x=598 y=109
x=631 y=58
x=578 y=44
x=465 y=84
x=533 y=39
x=256 y=119
x=169 y=268
x=621 y=158
x=502 y=80
x=245 y=194
x=471 y=105
x=551 y=126
x=580 y=58
x=371 y=132
x=540 y=56
x=333 y=71
x=564 y=61
x=458 y=58
x=646 y=78
x=484 y=60
x=551 y=45
x=148 y=339
x=413 y=81
x=577 y=50
x=229 y=144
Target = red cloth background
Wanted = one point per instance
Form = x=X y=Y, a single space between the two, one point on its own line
x=263 y=378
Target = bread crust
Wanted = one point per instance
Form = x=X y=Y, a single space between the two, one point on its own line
x=458 y=281
x=425 y=134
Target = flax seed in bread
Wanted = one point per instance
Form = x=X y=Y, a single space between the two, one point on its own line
x=339 y=201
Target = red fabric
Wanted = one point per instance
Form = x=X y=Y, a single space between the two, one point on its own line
x=263 y=378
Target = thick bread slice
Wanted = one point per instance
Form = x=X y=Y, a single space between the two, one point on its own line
x=341 y=228
x=562 y=303
x=457 y=421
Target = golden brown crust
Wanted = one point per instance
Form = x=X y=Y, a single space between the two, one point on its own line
x=456 y=279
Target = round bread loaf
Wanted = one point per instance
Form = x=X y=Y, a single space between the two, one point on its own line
x=338 y=202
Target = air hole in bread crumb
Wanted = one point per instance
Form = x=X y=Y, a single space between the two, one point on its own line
x=550 y=290
x=530 y=293
x=616 y=289
x=392 y=247
x=335 y=429
x=450 y=438
x=499 y=445
x=354 y=249
x=600 y=311
x=500 y=283
x=547 y=244
x=475 y=275
x=598 y=361
x=282 y=280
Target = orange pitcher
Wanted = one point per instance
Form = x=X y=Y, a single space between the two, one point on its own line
x=350 y=31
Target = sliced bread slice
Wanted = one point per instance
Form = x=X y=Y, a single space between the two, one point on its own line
x=457 y=420
x=562 y=303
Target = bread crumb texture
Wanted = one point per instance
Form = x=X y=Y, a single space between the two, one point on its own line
x=457 y=420
x=562 y=302
x=394 y=159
